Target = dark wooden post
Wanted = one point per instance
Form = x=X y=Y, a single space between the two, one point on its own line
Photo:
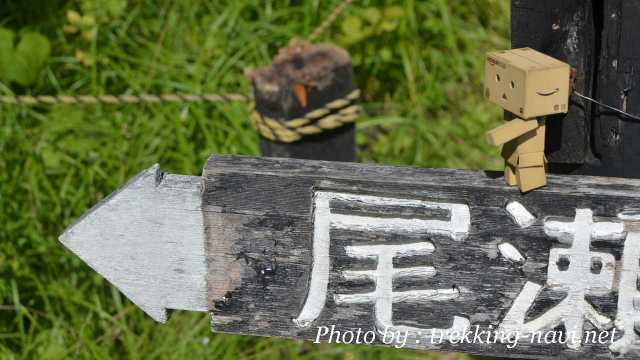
x=616 y=141
x=298 y=111
x=599 y=40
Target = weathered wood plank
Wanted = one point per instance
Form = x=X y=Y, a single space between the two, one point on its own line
x=295 y=246
x=288 y=248
x=147 y=239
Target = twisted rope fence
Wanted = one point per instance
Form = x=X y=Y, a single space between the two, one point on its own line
x=153 y=98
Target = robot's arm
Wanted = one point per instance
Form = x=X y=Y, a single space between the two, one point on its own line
x=511 y=130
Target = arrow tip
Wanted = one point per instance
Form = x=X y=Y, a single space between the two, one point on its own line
x=111 y=239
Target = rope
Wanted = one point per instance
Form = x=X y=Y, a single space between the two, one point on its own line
x=121 y=99
x=330 y=116
x=151 y=98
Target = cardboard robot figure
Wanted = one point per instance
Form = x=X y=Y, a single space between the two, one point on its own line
x=528 y=85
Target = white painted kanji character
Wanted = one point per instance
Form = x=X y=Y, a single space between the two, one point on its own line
x=383 y=297
x=575 y=270
x=628 y=316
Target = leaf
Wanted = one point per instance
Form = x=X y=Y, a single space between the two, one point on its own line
x=352 y=25
x=386 y=54
x=73 y=16
x=394 y=12
x=31 y=55
x=70 y=29
x=6 y=54
x=6 y=41
x=35 y=48
x=115 y=7
x=20 y=72
x=88 y=20
x=51 y=158
x=388 y=26
x=356 y=59
x=372 y=15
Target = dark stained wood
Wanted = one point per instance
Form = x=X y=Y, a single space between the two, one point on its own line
x=600 y=39
x=303 y=78
x=565 y=30
x=259 y=227
x=616 y=140
x=332 y=145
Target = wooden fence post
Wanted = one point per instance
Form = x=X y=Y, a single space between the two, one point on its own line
x=305 y=103
x=600 y=39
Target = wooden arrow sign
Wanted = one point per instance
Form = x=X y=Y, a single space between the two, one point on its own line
x=339 y=252
x=147 y=239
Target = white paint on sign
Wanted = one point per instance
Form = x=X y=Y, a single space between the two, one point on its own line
x=402 y=250
x=575 y=270
x=520 y=214
x=147 y=239
x=456 y=227
x=565 y=231
x=383 y=297
x=320 y=271
x=628 y=316
x=510 y=252
x=424 y=272
x=629 y=215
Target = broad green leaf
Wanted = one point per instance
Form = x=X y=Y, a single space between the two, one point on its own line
x=352 y=25
x=372 y=15
x=31 y=53
x=20 y=71
x=35 y=48
x=6 y=54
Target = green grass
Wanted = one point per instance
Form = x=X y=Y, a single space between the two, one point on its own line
x=419 y=63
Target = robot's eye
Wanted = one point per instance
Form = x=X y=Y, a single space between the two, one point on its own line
x=497 y=77
x=512 y=84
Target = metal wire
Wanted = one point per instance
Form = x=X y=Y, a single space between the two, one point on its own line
x=152 y=98
x=631 y=116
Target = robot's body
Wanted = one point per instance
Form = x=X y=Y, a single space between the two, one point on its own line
x=524 y=156
x=528 y=85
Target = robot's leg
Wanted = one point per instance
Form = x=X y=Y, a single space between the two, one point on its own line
x=510 y=175
x=530 y=171
x=510 y=162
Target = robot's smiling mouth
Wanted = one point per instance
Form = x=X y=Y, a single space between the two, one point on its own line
x=548 y=93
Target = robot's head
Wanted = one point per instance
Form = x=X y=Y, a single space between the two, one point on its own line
x=527 y=83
